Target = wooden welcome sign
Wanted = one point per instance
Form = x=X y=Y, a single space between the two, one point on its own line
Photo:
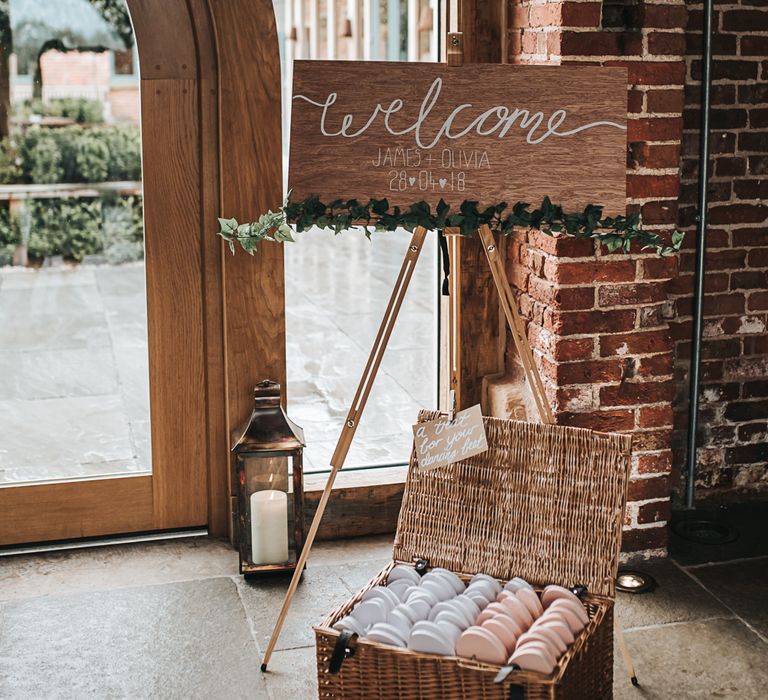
x=491 y=133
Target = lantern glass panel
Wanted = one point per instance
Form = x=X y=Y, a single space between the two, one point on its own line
x=270 y=539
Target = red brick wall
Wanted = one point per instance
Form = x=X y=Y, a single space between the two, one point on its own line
x=734 y=429
x=599 y=322
x=76 y=68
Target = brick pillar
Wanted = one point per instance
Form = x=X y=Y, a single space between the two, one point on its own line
x=598 y=322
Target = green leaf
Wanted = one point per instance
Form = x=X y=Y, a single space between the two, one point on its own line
x=284 y=233
x=616 y=233
x=228 y=226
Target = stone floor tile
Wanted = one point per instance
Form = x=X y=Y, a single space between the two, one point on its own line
x=416 y=374
x=694 y=660
x=54 y=331
x=180 y=640
x=102 y=309
x=55 y=374
x=30 y=278
x=381 y=449
x=141 y=440
x=51 y=437
x=120 y=281
x=292 y=674
x=116 y=566
x=354 y=551
x=359 y=574
x=67 y=301
x=320 y=591
x=742 y=586
x=750 y=520
x=678 y=598
x=132 y=364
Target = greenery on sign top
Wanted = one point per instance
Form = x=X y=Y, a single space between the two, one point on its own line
x=615 y=233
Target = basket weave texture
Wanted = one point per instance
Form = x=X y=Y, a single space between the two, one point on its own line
x=545 y=503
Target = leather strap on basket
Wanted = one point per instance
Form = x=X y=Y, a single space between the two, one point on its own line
x=345 y=646
x=579 y=591
x=516 y=691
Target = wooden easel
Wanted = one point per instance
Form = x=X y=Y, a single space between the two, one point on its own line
x=454 y=57
x=372 y=366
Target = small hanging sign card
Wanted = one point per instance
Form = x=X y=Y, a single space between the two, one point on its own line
x=445 y=441
x=415 y=132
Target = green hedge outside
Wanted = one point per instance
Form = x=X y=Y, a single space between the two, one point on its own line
x=80 y=109
x=74 y=228
x=71 y=154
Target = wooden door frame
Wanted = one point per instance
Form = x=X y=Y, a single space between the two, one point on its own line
x=211 y=143
x=230 y=50
x=225 y=53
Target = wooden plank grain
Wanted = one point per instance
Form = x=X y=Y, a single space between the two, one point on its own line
x=174 y=301
x=217 y=444
x=69 y=510
x=251 y=183
x=164 y=39
x=488 y=133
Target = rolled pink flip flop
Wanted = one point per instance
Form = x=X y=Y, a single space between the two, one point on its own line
x=576 y=608
x=518 y=610
x=478 y=643
x=533 y=657
x=491 y=611
x=570 y=618
x=555 y=622
x=546 y=636
x=510 y=622
x=553 y=592
x=531 y=601
x=503 y=632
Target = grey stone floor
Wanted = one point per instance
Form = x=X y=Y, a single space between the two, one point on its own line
x=174 y=620
x=74 y=393
x=74 y=396
x=337 y=289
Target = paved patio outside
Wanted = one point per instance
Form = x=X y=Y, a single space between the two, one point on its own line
x=74 y=396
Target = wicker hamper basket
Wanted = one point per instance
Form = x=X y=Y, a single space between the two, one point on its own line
x=545 y=503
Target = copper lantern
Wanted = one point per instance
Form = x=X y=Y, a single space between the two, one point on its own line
x=268 y=477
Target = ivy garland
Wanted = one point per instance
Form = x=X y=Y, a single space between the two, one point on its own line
x=616 y=233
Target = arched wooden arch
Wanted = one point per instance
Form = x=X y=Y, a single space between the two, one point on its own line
x=211 y=140
x=211 y=135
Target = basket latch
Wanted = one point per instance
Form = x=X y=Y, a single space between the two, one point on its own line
x=345 y=646
x=516 y=692
x=579 y=591
x=421 y=566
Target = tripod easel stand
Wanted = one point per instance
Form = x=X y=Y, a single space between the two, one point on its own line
x=372 y=366
x=454 y=57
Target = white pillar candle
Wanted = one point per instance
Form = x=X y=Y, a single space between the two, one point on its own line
x=269 y=527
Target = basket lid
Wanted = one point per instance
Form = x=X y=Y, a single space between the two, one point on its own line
x=544 y=502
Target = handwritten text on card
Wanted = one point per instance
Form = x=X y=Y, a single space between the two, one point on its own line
x=441 y=442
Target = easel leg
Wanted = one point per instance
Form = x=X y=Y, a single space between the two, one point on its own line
x=628 y=665
x=509 y=307
x=352 y=421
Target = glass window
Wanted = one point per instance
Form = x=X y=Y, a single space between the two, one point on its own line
x=337 y=287
x=74 y=378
